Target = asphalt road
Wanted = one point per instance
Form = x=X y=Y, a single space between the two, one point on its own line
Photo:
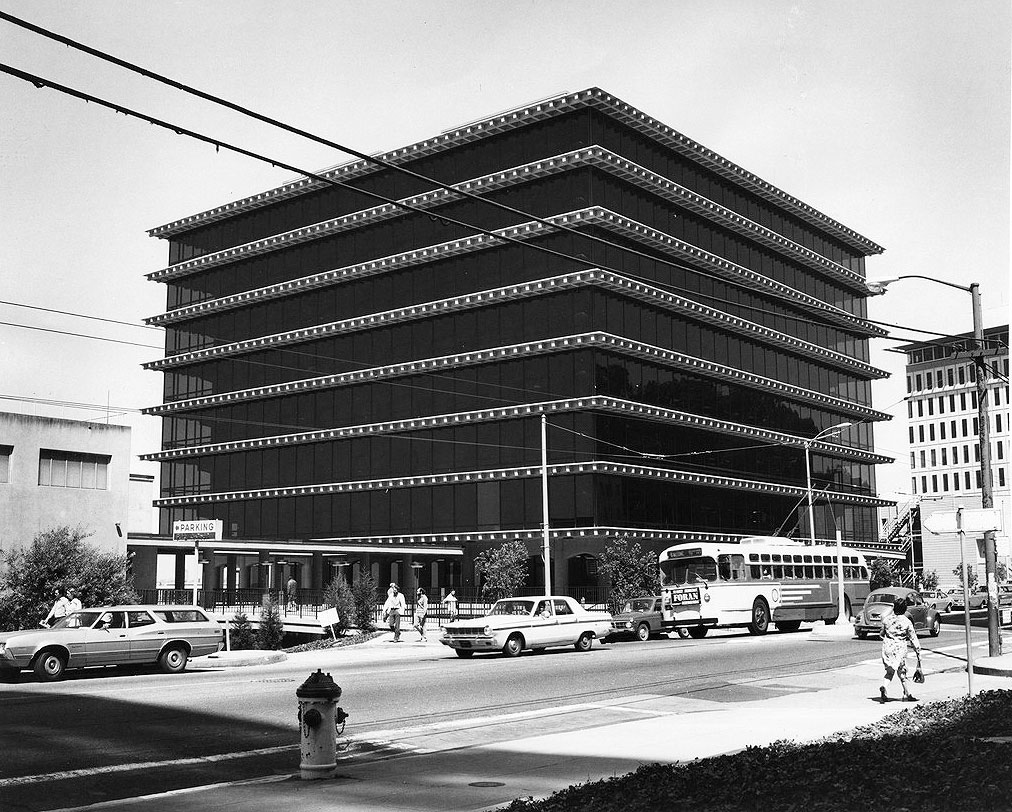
x=109 y=733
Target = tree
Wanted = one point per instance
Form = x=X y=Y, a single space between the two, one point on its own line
x=503 y=569
x=364 y=593
x=971 y=576
x=338 y=595
x=631 y=571
x=271 y=632
x=60 y=559
x=241 y=636
x=929 y=580
x=882 y=573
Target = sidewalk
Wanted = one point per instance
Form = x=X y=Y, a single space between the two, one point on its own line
x=486 y=764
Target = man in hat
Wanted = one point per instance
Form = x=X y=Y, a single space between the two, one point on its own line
x=393 y=609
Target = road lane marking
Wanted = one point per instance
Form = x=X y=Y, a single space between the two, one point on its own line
x=22 y=780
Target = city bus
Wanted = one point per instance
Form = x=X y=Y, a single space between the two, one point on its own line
x=758 y=581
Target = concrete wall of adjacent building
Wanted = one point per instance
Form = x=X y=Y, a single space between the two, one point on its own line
x=27 y=508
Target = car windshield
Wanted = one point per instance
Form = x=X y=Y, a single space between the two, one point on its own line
x=78 y=620
x=882 y=597
x=512 y=607
x=639 y=605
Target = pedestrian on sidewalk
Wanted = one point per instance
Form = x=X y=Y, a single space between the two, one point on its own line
x=291 y=588
x=393 y=609
x=897 y=633
x=59 y=609
x=421 y=609
x=450 y=601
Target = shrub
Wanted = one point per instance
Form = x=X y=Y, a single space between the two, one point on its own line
x=364 y=594
x=60 y=559
x=338 y=595
x=241 y=635
x=631 y=572
x=271 y=633
x=503 y=569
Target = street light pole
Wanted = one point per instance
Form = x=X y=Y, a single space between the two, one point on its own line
x=984 y=441
x=808 y=473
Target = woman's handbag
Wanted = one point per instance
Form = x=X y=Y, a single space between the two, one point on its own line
x=918 y=673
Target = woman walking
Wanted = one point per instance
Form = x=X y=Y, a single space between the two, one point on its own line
x=897 y=633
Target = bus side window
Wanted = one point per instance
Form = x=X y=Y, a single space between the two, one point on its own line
x=737 y=568
x=724 y=567
x=754 y=572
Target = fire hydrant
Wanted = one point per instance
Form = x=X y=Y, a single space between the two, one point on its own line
x=319 y=717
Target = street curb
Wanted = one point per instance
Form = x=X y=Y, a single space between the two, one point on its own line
x=993 y=666
x=238 y=659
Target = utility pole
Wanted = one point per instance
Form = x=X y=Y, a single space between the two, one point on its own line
x=986 y=496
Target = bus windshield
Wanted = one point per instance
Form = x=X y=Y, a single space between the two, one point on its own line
x=688 y=570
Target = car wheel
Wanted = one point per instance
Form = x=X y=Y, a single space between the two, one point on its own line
x=585 y=642
x=760 y=617
x=788 y=625
x=514 y=645
x=936 y=626
x=463 y=653
x=683 y=632
x=698 y=632
x=173 y=660
x=50 y=666
x=643 y=631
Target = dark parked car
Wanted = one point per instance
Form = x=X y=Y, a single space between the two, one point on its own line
x=640 y=618
x=880 y=602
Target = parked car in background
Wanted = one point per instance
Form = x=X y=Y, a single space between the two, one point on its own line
x=935 y=598
x=880 y=602
x=977 y=599
x=113 y=635
x=1004 y=595
x=640 y=618
x=516 y=624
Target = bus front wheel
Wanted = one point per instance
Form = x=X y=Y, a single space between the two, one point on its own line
x=760 y=617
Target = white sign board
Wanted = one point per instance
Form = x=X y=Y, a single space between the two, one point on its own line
x=328 y=617
x=197 y=530
x=978 y=520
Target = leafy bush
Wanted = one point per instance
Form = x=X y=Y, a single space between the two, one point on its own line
x=503 y=569
x=883 y=573
x=241 y=636
x=271 y=632
x=971 y=576
x=60 y=559
x=928 y=758
x=631 y=572
x=364 y=593
x=338 y=595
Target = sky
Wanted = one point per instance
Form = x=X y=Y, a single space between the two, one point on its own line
x=892 y=118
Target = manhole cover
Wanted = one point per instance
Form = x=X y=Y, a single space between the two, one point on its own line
x=486 y=784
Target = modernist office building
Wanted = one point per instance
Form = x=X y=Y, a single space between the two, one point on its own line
x=944 y=436
x=348 y=380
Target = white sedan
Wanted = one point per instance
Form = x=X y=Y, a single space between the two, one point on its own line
x=516 y=624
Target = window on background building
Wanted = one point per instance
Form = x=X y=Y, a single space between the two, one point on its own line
x=976 y=426
x=979 y=480
x=966 y=479
x=997 y=423
x=941 y=431
x=1001 y=450
x=971 y=373
x=909 y=385
x=955 y=481
x=961 y=375
x=966 y=453
x=1001 y=477
x=944 y=455
x=5 y=463
x=934 y=458
x=941 y=405
x=913 y=460
x=920 y=408
x=931 y=432
x=952 y=403
x=939 y=379
x=910 y=408
x=917 y=382
x=976 y=452
x=911 y=434
x=934 y=483
x=66 y=469
x=962 y=400
x=945 y=483
x=931 y=406
x=950 y=376
x=920 y=433
x=965 y=427
x=913 y=484
x=924 y=458
x=924 y=484
x=952 y=429
x=997 y=396
x=973 y=399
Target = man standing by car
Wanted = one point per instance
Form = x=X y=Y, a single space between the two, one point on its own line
x=74 y=604
x=59 y=610
x=393 y=609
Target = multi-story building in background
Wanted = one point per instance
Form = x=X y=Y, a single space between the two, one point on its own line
x=56 y=472
x=356 y=363
x=944 y=432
